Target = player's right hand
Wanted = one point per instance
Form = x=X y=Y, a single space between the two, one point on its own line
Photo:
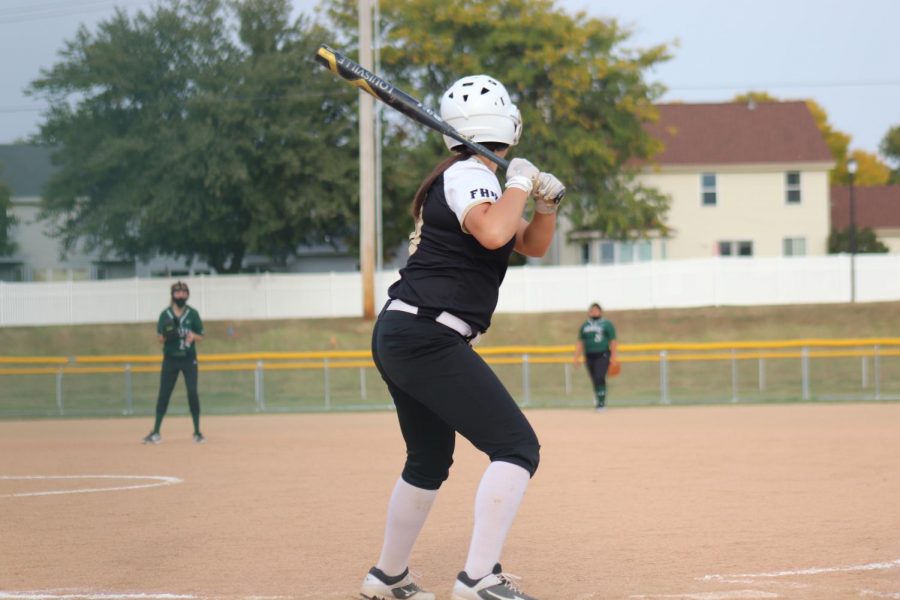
x=548 y=192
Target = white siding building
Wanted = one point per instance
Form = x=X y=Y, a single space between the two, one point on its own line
x=743 y=179
x=876 y=207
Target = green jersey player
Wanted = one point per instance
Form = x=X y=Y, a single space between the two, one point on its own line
x=179 y=329
x=597 y=347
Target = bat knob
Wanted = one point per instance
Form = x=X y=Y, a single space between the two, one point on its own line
x=325 y=56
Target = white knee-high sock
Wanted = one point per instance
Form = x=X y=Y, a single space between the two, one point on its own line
x=407 y=511
x=496 y=504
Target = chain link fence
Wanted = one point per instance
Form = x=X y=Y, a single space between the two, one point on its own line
x=537 y=376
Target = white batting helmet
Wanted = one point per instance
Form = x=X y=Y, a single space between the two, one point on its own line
x=479 y=107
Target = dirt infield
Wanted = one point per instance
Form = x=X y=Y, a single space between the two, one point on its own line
x=724 y=502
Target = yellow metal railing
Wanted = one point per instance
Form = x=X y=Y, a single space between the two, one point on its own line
x=661 y=354
x=500 y=355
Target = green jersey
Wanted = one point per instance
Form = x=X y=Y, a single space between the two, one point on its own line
x=596 y=334
x=177 y=346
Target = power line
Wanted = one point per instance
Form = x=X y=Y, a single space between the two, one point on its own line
x=785 y=85
x=21 y=109
x=698 y=87
x=42 y=12
x=32 y=7
x=288 y=97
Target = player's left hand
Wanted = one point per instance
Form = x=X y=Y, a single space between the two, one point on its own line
x=548 y=192
x=521 y=174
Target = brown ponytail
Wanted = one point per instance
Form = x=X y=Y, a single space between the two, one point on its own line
x=461 y=153
x=422 y=192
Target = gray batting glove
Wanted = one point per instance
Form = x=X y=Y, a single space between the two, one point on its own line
x=521 y=174
x=548 y=193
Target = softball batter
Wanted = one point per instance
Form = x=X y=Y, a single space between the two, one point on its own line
x=466 y=228
x=178 y=329
x=597 y=346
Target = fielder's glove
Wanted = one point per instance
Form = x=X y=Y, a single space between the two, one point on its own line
x=170 y=331
x=548 y=193
x=521 y=174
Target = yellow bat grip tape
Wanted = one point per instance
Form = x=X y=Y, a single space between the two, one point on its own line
x=332 y=66
x=329 y=56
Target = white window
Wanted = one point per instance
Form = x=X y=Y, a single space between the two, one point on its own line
x=614 y=253
x=708 y=195
x=585 y=253
x=739 y=248
x=644 y=251
x=795 y=246
x=607 y=253
x=792 y=187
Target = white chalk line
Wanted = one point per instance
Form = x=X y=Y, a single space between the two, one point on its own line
x=793 y=585
x=157 y=481
x=71 y=594
x=730 y=595
x=37 y=595
x=879 y=566
x=47 y=595
x=761 y=579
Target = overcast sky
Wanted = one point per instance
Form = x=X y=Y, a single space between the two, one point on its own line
x=843 y=54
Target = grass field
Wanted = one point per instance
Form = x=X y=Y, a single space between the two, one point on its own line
x=698 y=324
x=548 y=385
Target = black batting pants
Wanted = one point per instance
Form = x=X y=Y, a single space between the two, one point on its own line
x=441 y=386
x=597 y=364
x=171 y=367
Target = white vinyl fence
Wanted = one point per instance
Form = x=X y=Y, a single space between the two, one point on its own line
x=658 y=284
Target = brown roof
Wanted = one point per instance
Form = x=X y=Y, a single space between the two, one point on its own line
x=877 y=207
x=735 y=132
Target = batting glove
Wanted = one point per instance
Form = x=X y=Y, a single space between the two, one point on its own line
x=521 y=175
x=548 y=193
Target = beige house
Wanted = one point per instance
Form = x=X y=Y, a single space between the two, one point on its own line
x=743 y=179
x=876 y=208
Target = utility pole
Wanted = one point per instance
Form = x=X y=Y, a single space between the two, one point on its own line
x=366 y=167
x=851 y=170
x=379 y=203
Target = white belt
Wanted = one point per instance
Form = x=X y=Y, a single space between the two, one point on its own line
x=445 y=318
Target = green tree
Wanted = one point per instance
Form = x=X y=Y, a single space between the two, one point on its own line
x=199 y=129
x=838 y=142
x=7 y=220
x=870 y=170
x=866 y=241
x=582 y=92
x=890 y=148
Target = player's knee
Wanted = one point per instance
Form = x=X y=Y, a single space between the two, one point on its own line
x=426 y=470
x=526 y=455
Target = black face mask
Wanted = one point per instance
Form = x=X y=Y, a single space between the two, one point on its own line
x=179 y=302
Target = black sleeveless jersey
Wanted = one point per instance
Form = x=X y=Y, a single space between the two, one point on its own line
x=448 y=269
